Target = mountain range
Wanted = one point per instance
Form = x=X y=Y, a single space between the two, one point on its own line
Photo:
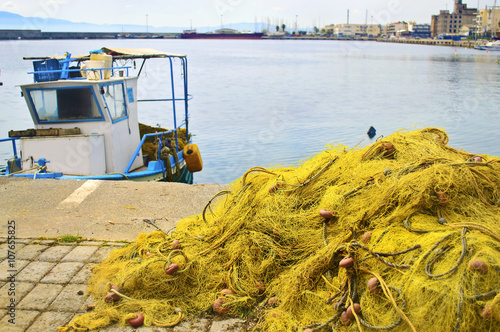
x=11 y=21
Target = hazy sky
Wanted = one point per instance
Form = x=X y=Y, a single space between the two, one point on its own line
x=184 y=13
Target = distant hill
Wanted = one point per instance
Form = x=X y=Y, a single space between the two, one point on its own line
x=14 y=21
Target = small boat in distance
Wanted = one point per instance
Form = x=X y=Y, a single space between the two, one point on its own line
x=224 y=33
x=490 y=46
x=85 y=116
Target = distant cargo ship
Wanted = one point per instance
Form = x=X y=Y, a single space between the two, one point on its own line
x=221 y=34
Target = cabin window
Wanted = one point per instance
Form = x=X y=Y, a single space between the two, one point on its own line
x=114 y=97
x=65 y=104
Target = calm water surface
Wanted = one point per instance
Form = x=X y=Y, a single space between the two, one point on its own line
x=265 y=102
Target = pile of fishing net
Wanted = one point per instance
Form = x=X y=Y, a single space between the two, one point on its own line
x=401 y=235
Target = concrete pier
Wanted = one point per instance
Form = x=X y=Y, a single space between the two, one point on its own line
x=434 y=42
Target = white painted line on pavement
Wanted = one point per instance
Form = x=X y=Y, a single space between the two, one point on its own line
x=79 y=194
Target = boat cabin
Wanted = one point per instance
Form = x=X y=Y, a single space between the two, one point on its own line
x=96 y=124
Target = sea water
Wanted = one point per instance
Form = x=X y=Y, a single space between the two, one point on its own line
x=270 y=102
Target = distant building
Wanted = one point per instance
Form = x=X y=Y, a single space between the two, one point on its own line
x=447 y=23
x=353 y=30
x=329 y=29
x=395 y=29
x=373 y=30
x=420 y=31
x=488 y=21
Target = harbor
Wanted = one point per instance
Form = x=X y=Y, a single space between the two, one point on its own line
x=350 y=178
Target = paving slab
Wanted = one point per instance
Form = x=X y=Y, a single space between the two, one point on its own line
x=54 y=254
x=80 y=254
x=34 y=271
x=22 y=319
x=7 y=269
x=83 y=276
x=70 y=299
x=30 y=251
x=20 y=290
x=100 y=255
x=49 y=321
x=40 y=297
x=62 y=272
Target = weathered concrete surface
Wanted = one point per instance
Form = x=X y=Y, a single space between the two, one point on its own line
x=100 y=210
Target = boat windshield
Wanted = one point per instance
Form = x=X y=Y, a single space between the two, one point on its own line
x=114 y=97
x=66 y=104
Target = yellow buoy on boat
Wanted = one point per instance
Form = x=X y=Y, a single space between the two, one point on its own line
x=192 y=157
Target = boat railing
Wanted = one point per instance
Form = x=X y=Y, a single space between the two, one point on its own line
x=13 y=140
x=159 y=134
x=189 y=97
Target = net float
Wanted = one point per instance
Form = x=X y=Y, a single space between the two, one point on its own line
x=346 y=262
x=111 y=297
x=137 y=321
x=366 y=237
x=357 y=309
x=172 y=268
x=476 y=159
x=443 y=199
x=218 y=306
x=373 y=285
x=227 y=291
x=176 y=244
x=274 y=187
x=486 y=311
x=273 y=301
x=260 y=286
x=388 y=148
x=326 y=214
x=344 y=319
x=478 y=265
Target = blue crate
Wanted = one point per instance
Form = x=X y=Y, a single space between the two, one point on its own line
x=47 y=65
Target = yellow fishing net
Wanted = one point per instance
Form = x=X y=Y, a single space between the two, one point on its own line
x=401 y=235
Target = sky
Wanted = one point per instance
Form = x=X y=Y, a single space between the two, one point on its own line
x=193 y=13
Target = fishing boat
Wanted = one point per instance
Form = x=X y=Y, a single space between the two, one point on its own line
x=490 y=46
x=85 y=115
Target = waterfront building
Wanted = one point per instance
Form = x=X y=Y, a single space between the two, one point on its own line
x=396 y=29
x=420 y=31
x=488 y=21
x=354 y=30
x=447 y=23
